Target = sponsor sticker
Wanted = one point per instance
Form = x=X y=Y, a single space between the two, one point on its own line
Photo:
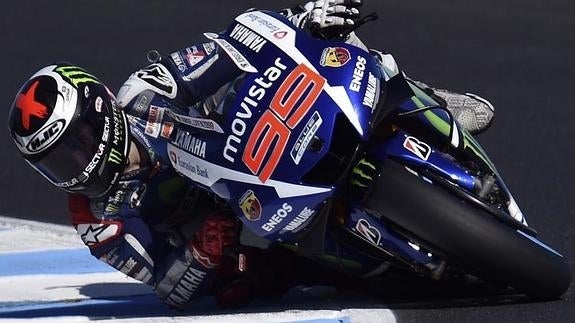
x=248 y=37
x=205 y=124
x=277 y=217
x=368 y=231
x=98 y=104
x=266 y=26
x=45 y=136
x=190 y=143
x=297 y=224
x=142 y=103
x=209 y=47
x=263 y=22
x=371 y=93
x=305 y=137
x=179 y=61
x=137 y=196
x=201 y=69
x=280 y=34
x=167 y=129
x=195 y=55
x=270 y=135
x=250 y=103
x=417 y=147
x=153 y=125
x=250 y=206
x=358 y=74
x=241 y=262
x=335 y=57
x=173 y=157
x=75 y=75
x=241 y=62
x=189 y=165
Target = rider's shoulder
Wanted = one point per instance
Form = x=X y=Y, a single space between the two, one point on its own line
x=154 y=78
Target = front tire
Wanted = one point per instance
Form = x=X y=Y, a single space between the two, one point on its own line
x=467 y=235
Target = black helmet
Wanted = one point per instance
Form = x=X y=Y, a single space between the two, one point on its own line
x=69 y=127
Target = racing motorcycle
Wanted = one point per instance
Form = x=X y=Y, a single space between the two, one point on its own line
x=330 y=151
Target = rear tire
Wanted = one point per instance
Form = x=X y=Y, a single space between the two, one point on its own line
x=466 y=234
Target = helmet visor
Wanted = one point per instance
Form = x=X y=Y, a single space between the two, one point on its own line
x=90 y=156
x=75 y=157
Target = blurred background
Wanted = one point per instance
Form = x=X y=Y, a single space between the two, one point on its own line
x=518 y=54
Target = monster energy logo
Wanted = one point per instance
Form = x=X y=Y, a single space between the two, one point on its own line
x=115 y=156
x=363 y=173
x=76 y=75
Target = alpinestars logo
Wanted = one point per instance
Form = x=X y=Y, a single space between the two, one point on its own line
x=159 y=77
x=419 y=148
x=95 y=233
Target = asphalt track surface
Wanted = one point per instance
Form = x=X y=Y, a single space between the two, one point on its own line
x=519 y=54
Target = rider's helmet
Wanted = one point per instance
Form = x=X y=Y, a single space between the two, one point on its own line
x=68 y=127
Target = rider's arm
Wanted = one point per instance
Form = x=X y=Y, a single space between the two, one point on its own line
x=186 y=77
x=127 y=243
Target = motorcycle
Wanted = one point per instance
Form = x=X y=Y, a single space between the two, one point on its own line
x=330 y=151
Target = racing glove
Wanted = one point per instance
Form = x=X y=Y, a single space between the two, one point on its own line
x=330 y=19
x=218 y=232
x=327 y=19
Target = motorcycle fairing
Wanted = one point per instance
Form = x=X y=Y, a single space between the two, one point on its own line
x=278 y=122
x=371 y=229
x=414 y=152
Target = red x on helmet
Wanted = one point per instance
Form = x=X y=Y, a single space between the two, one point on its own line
x=67 y=125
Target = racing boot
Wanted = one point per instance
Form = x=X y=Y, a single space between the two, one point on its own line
x=471 y=111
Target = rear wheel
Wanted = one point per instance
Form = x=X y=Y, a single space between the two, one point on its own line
x=467 y=235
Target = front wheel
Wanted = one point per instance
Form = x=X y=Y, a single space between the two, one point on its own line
x=466 y=234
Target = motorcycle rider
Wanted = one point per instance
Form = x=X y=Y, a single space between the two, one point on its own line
x=128 y=204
